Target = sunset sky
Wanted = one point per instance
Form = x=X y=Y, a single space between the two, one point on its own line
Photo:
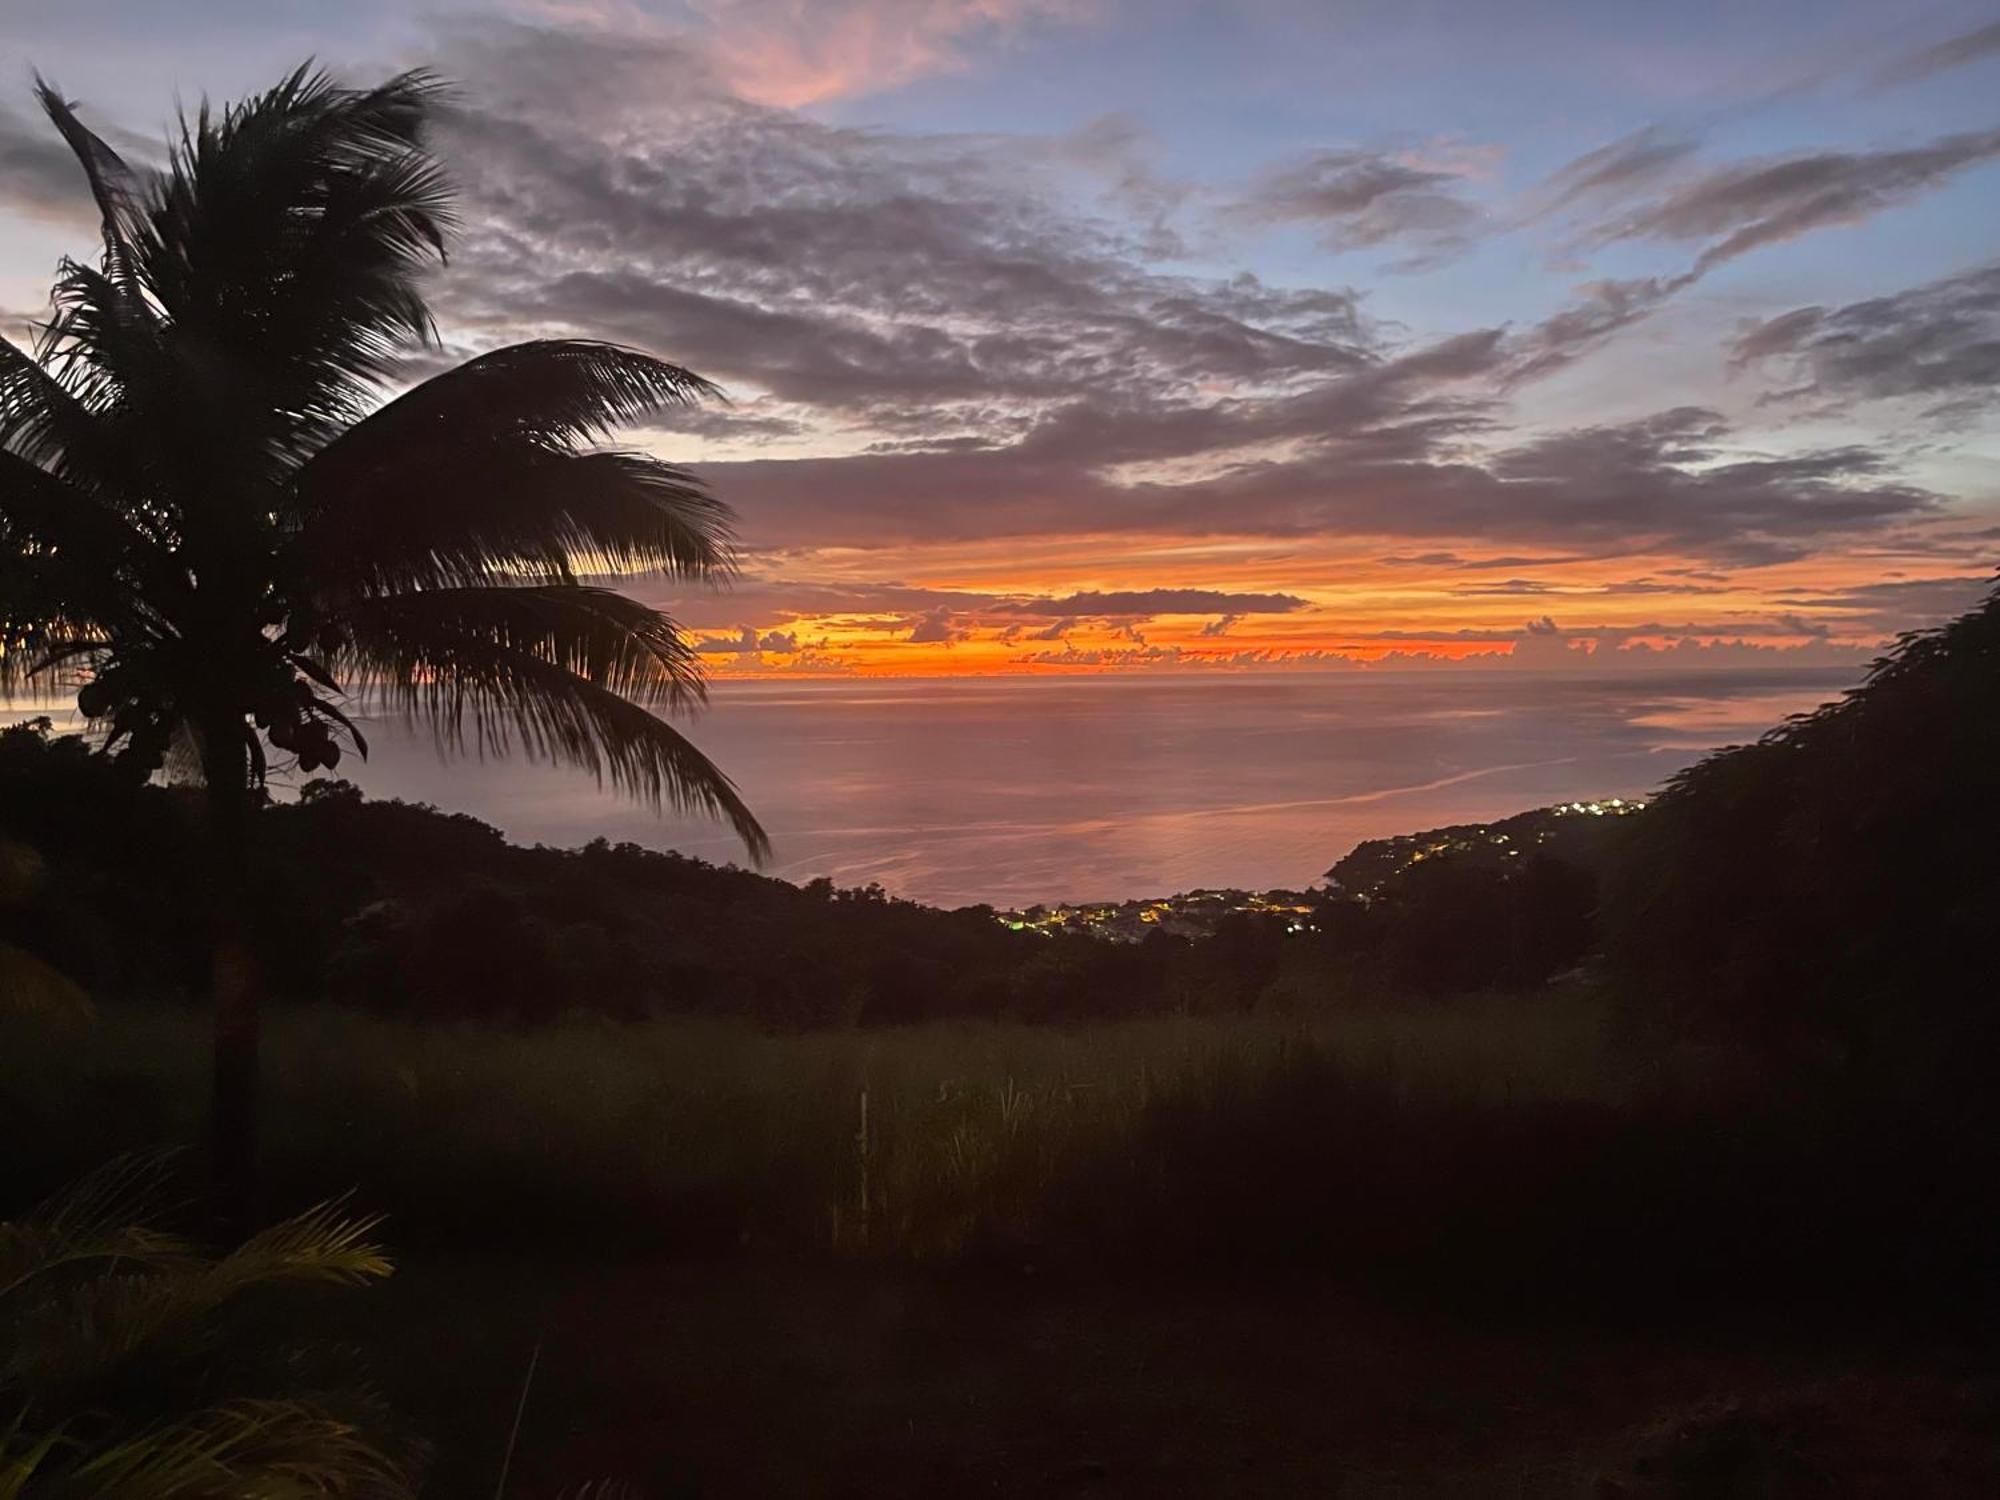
x=1080 y=334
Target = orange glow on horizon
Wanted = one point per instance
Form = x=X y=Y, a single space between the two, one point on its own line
x=1013 y=607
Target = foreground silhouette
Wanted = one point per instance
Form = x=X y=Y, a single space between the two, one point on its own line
x=1836 y=885
x=117 y=1320
x=211 y=529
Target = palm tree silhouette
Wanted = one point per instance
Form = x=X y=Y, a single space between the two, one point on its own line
x=215 y=528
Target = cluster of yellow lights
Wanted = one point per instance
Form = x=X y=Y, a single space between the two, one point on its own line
x=1190 y=912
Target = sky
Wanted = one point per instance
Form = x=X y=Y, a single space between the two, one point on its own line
x=1069 y=336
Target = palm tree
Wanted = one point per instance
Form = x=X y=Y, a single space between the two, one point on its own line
x=116 y=1338
x=216 y=529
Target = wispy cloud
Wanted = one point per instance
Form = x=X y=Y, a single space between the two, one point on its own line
x=929 y=287
x=1954 y=52
x=1633 y=163
x=1360 y=199
x=1648 y=187
x=1146 y=603
x=1741 y=206
x=1941 y=340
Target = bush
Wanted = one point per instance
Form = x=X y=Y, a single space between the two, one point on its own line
x=1836 y=886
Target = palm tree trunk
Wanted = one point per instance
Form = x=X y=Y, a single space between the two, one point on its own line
x=237 y=993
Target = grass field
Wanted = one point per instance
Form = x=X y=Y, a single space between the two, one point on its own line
x=1482 y=1150
x=1473 y=1248
x=910 y=1140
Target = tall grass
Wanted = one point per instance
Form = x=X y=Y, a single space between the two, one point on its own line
x=710 y=1132
x=1480 y=1148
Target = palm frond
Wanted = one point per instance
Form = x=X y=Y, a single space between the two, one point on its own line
x=74 y=558
x=560 y=391
x=25 y=1454
x=608 y=639
x=282 y=246
x=44 y=663
x=40 y=510
x=113 y=185
x=320 y=1245
x=475 y=689
x=261 y=1450
x=39 y=637
x=517 y=512
x=73 y=1337
x=104 y=338
x=104 y=1217
x=42 y=419
x=474 y=475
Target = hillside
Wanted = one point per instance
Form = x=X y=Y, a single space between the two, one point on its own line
x=1839 y=879
x=1579 y=833
x=405 y=909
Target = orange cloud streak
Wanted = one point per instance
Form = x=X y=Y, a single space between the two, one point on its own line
x=1365 y=602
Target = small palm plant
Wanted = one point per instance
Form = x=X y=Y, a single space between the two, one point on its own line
x=217 y=532
x=111 y=1349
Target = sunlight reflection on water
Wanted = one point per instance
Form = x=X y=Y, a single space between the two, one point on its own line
x=1022 y=789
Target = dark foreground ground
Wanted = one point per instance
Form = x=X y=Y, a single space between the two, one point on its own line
x=754 y=1380
x=1491 y=1165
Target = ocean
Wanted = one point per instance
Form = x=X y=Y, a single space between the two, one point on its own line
x=1016 y=790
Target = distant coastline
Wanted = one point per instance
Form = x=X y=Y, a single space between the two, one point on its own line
x=980 y=791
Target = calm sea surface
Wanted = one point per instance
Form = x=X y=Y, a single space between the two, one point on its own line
x=1035 y=789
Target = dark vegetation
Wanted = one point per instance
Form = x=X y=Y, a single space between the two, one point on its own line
x=1836 y=885
x=1585 y=836
x=137 y=1366
x=409 y=911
